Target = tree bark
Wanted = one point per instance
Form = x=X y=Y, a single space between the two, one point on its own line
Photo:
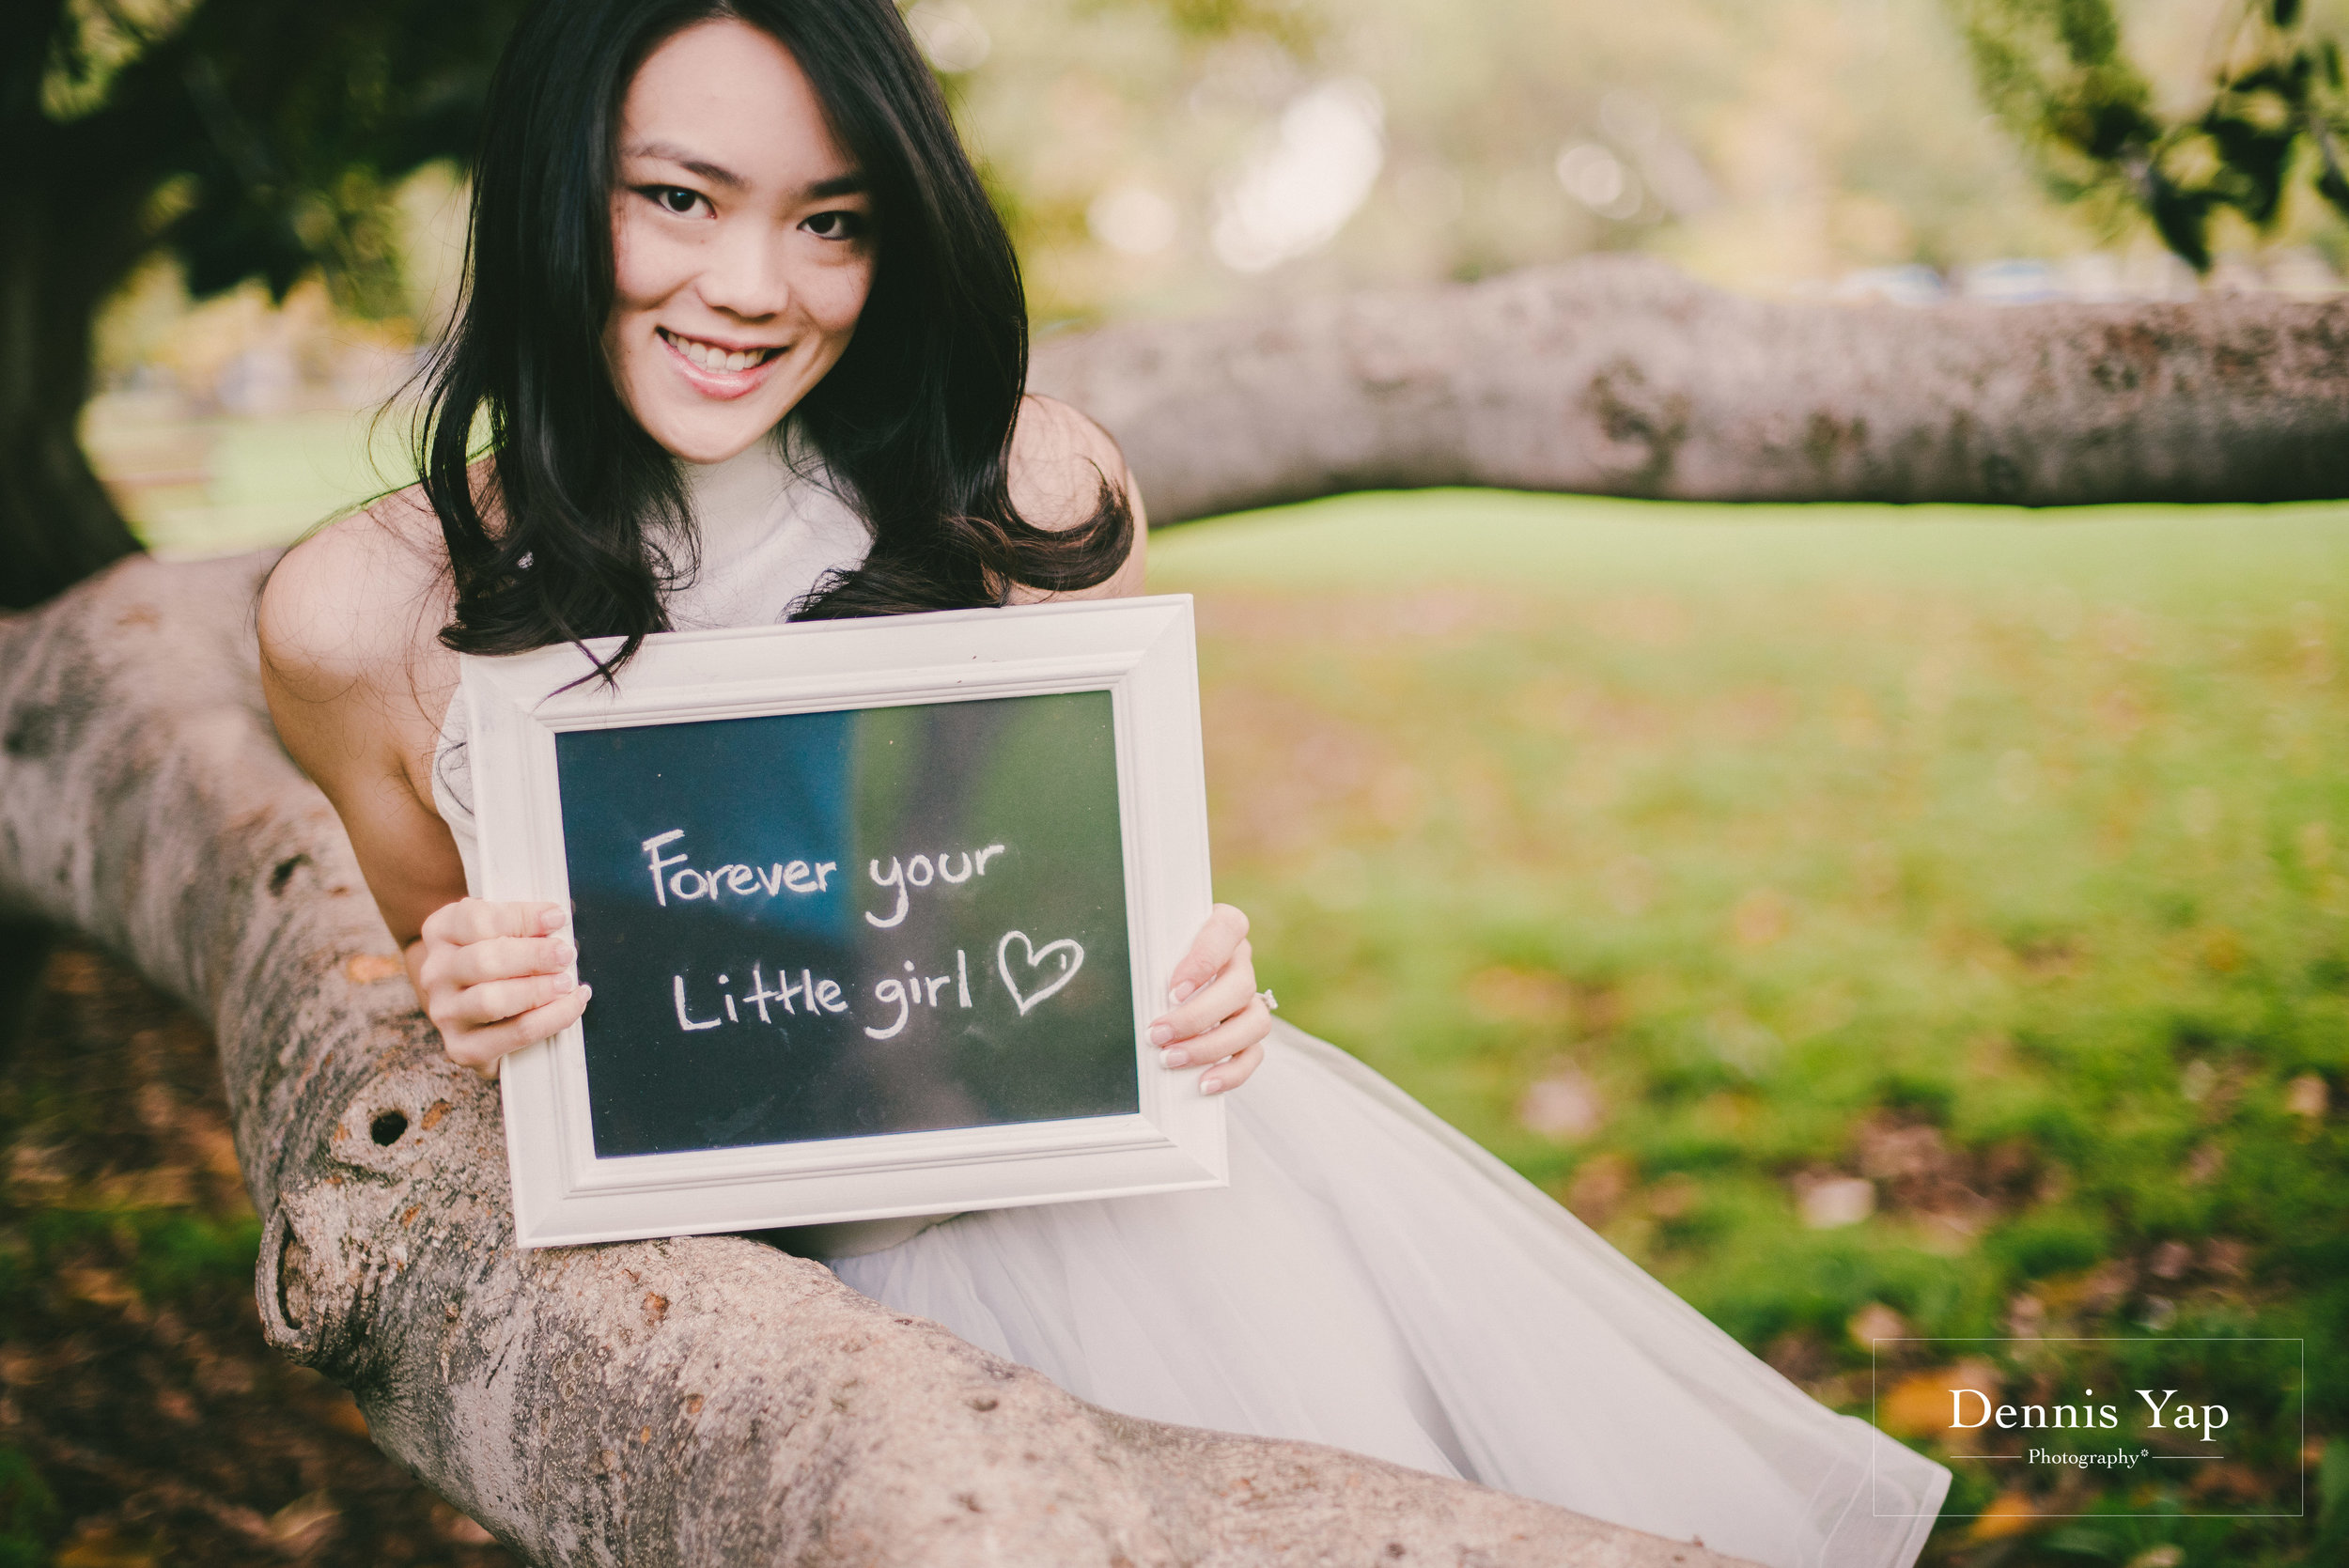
x=708 y=1400
x=1619 y=376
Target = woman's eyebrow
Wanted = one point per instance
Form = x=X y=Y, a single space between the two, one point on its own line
x=717 y=174
x=851 y=183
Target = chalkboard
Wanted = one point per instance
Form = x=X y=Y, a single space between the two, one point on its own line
x=874 y=911
x=822 y=925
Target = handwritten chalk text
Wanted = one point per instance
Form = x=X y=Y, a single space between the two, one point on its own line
x=1048 y=968
x=920 y=872
x=810 y=993
x=687 y=883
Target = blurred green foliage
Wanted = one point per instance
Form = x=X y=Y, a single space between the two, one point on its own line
x=1696 y=859
x=1763 y=145
x=249 y=138
x=1768 y=146
x=2277 y=103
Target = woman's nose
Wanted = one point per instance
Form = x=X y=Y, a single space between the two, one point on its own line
x=746 y=274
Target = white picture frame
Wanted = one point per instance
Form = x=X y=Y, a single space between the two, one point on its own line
x=1140 y=651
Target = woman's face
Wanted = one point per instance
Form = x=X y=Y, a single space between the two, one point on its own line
x=740 y=242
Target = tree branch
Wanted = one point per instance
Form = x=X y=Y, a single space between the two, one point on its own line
x=1619 y=376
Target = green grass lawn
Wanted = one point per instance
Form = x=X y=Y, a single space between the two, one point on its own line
x=1879 y=922
x=206 y=487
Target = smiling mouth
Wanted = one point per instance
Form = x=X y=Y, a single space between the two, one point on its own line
x=714 y=358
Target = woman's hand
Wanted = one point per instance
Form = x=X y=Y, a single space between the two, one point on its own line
x=1218 y=1019
x=496 y=977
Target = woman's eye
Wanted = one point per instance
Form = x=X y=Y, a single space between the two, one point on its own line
x=675 y=198
x=835 y=225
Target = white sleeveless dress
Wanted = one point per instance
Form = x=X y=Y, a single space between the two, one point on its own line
x=1370 y=1279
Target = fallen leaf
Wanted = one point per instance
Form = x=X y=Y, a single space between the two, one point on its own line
x=2307 y=1095
x=1600 y=1185
x=97 y=1546
x=1564 y=1105
x=341 y=1412
x=2009 y=1513
x=161 y=1186
x=1875 y=1321
x=1504 y=995
x=1673 y=1197
x=1923 y=1404
x=1829 y=1203
x=100 y=1287
x=304 y=1521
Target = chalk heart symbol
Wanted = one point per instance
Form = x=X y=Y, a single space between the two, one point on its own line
x=1072 y=958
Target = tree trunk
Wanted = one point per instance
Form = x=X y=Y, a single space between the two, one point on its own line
x=1618 y=376
x=708 y=1400
x=57 y=523
x=72 y=231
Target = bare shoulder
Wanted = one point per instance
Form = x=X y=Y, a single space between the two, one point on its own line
x=358 y=604
x=1059 y=459
x=357 y=682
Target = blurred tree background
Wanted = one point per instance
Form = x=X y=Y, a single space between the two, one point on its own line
x=1176 y=156
x=230 y=140
x=1879 y=924
x=2275 y=97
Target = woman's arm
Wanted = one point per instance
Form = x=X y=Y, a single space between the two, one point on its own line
x=1216 y=1020
x=355 y=679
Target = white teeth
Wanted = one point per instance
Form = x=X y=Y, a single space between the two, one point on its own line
x=713 y=358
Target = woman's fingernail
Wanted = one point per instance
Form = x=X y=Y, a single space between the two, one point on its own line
x=1174 y=1058
x=586 y=993
x=565 y=951
x=1210 y=1085
x=1161 y=1034
x=564 y=982
x=554 y=917
x=1181 y=991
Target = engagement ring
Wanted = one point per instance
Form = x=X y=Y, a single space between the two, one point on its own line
x=1270 y=1004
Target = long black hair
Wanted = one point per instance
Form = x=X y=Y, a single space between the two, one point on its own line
x=578 y=522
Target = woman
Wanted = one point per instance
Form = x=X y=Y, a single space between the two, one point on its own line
x=749 y=343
